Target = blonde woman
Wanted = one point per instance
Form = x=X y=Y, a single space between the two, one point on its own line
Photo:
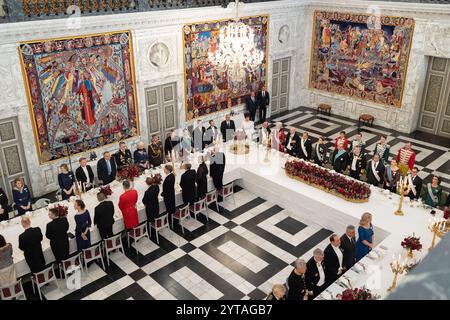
x=365 y=236
x=278 y=293
x=278 y=137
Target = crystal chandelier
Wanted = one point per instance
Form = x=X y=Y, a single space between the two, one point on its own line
x=236 y=52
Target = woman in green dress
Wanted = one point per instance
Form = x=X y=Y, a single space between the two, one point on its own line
x=432 y=192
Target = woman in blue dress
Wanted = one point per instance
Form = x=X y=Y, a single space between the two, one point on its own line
x=83 y=223
x=66 y=182
x=365 y=236
x=21 y=197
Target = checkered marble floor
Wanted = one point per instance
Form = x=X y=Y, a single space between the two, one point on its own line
x=238 y=254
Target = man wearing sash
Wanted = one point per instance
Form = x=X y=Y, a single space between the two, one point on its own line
x=375 y=170
x=341 y=139
x=357 y=162
x=320 y=152
x=416 y=184
x=406 y=156
x=340 y=159
x=292 y=142
x=432 y=192
x=305 y=149
x=382 y=148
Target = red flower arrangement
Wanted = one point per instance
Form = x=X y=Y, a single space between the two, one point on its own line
x=412 y=243
x=106 y=190
x=62 y=210
x=128 y=172
x=447 y=214
x=357 y=294
x=340 y=185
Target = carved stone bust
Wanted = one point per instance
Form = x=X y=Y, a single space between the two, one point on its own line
x=283 y=34
x=159 y=55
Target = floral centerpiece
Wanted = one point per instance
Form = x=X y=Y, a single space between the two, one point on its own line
x=332 y=182
x=357 y=294
x=411 y=243
x=106 y=190
x=128 y=172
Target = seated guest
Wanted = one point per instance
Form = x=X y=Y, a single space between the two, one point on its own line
x=416 y=184
x=278 y=293
x=365 y=236
x=57 y=234
x=21 y=197
x=4 y=208
x=168 y=189
x=227 y=128
x=341 y=139
x=315 y=273
x=248 y=126
x=198 y=137
x=217 y=167
x=383 y=149
x=357 y=163
x=348 y=247
x=278 y=137
x=187 y=184
x=123 y=156
x=7 y=271
x=104 y=216
x=83 y=223
x=66 y=182
x=292 y=142
x=264 y=133
x=30 y=244
x=296 y=282
x=391 y=176
x=432 y=192
x=334 y=259
x=127 y=204
x=375 y=170
x=251 y=105
x=140 y=156
x=170 y=143
x=150 y=199
x=340 y=159
x=358 y=142
x=319 y=152
x=106 y=169
x=202 y=179
x=406 y=156
x=305 y=147
x=155 y=152
x=84 y=174
x=211 y=133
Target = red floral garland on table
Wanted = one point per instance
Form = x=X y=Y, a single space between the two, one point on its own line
x=412 y=243
x=357 y=294
x=128 y=172
x=338 y=184
x=106 y=190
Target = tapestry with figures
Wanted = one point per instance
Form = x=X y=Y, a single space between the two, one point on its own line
x=360 y=55
x=81 y=92
x=209 y=90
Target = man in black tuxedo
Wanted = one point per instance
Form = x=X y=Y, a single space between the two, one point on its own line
x=263 y=102
x=340 y=159
x=30 y=244
x=198 y=137
x=252 y=104
x=217 y=168
x=334 y=259
x=211 y=133
x=84 y=174
x=123 y=157
x=315 y=273
x=227 y=128
x=348 y=247
x=292 y=142
x=168 y=190
x=296 y=282
x=106 y=169
x=56 y=232
x=416 y=182
x=305 y=147
x=104 y=216
x=187 y=184
x=375 y=171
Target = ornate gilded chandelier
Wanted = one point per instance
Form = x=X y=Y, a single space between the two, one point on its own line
x=236 y=52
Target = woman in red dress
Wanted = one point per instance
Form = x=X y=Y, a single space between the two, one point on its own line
x=127 y=204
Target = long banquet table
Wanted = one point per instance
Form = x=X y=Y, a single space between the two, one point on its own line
x=268 y=180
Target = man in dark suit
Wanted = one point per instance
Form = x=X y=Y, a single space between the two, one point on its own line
x=333 y=259
x=292 y=141
x=348 y=247
x=340 y=159
x=252 y=104
x=198 y=137
x=305 y=147
x=211 y=133
x=296 y=282
x=56 y=232
x=187 y=184
x=263 y=102
x=168 y=190
x=104 y=216
x=217 y=168
x=106 y=169
x=315 y=273
x=416 y=182
x=84 y=174
x=227 y=128
x=375 y=171
x=30 y=244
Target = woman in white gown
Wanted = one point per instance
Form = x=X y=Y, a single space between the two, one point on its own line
x=248 y=126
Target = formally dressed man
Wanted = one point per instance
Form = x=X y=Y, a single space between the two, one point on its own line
x=358 y=141
x=155 y=152
x=187 y=184
x=227 y=128
x=357 y=163
x=106 y=169
x=4 y=207
x=30 y=244
x=263 y=102
x=168 y=189
x=315 y=273
x=334 y=259
x=348 y=247
x=104 y=216
x=305 y=147
x=383 y=149
x=198 y=137
x=296 y=282
x=170 y=143
x=375 y=170
x=416 y=184
x=84 y=174
x=264 y=133
x=217 y=167
x=292 y=141
x=211 y=133
x=123 y=156
x=319 y=151
x=342 y=139
x=56 y=232
x=251 y=104
x=406 y=156
x=340 y=159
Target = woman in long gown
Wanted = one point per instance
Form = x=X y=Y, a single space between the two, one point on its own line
x=432 y=192
x=391 y=176
x=248 y=126
x=83 y=223
x=365 y=239
x=278 y=137
x=66 y=182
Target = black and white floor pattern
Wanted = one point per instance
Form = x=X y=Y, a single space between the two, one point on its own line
x=238 y=254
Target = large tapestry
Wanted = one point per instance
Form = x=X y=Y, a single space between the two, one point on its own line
x=207 y=89
x=361 y=56
x=81 y=91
